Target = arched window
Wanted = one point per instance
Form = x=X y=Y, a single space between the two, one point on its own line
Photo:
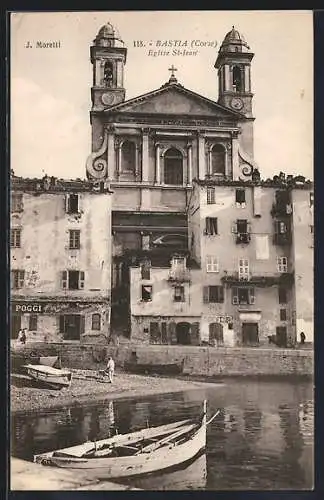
x=108 y=74
x=238 y=79
x=128 y=151
x=96 y=320
x=218 y=161
x=173 y=167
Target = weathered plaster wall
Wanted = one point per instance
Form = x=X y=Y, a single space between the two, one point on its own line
x=303 y=251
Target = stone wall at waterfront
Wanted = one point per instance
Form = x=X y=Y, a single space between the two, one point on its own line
x=203 y=361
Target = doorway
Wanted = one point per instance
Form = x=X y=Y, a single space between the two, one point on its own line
x=72 y=326
x=15 y=325
x=183 y=333
x=216 y=336
x=281 y=336
x=250 y=334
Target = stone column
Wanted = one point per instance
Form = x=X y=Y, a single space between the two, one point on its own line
x=118 y=157
x=119 y=66
x=247 y=79
x=145 y=155
x=136 y=162
x=110 y=154
x=228 y=85
x=98 y=71
x=209 y=166
x=189 y=173
x=157 y=164
x=235 y=156
x=201 y=156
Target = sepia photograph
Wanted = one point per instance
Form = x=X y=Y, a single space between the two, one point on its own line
x=161 y=250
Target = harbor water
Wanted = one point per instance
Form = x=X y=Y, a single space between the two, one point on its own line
x=261 y=440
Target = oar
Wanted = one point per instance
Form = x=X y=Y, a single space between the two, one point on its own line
x=152 y=447
x=212 y=418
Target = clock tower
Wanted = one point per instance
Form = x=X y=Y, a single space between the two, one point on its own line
x=234 y=73
x=108 y=57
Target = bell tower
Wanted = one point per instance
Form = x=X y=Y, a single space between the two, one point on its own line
x=108 y=58
x=234 y=73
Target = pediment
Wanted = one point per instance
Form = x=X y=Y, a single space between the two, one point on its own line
x=175 y=100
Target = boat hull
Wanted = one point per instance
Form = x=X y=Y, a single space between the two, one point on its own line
x=51 y=377
x=163 y=458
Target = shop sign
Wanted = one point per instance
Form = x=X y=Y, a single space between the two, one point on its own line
x=26 y=307
x=224 y=319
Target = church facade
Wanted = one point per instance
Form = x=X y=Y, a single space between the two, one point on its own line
x=203 y=250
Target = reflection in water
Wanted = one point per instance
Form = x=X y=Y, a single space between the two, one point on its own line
x=262 y=439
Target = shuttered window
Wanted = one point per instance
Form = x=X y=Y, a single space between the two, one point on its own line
x=74 y=239
x=73 y=280
x=282 y=264
x=212 y=265
x=213 y=294
x=240 y=196
x=243 y=295
x=210 y=195
x=211 y=227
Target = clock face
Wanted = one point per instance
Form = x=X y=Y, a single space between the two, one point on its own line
x=236 y=103
x=108 y=99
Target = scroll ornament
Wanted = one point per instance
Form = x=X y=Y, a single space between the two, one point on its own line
x=247 y=165
x=96 y=166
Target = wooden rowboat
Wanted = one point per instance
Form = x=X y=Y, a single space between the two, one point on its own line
x=137 y=453
x=51 y=377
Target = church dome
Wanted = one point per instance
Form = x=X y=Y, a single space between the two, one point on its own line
x=108 y=36
x=234 y=41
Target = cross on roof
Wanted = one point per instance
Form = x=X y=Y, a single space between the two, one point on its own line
x=172 y=69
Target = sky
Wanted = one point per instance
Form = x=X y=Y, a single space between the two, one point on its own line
x=50 y=88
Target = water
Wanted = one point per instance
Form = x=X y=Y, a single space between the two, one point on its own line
x=262 y=439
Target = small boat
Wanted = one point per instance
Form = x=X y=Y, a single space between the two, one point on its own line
x=149 y=368
x=137 y=453
x=22 y=357
x=49 y=376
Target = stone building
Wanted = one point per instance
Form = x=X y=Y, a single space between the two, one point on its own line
x=203 y=249
x=60 y=259
x=244 y=236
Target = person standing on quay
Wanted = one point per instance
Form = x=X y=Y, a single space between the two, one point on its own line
x=110 y=369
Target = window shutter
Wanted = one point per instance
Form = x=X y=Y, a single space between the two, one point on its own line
x=173 y=332
x=67 y=203
x=79 y=203
x=82 y=324
x=205 y=294
x=235 y=299
x=64 y=279
x=81 y=279
x=215 y=225
x=207 y=225
x=221 y=294
x=195 y=337
x=252 y=296
x=62 y=323
x=234 y=228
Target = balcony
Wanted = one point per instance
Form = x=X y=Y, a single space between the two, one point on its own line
x=179 y=276
x=282 y=239
x=264 y=280
x=281 y=210
x=243 y=238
